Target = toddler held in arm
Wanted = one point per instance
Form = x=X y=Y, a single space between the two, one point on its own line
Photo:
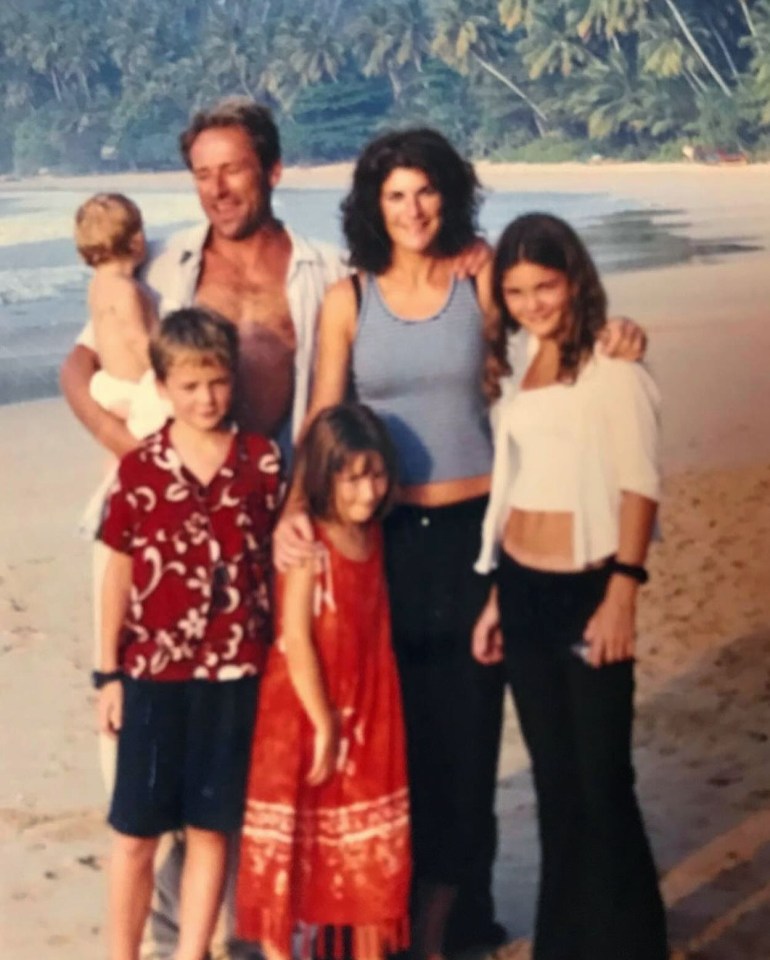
x=110 y=238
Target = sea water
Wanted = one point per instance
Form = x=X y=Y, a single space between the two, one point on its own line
x=43 y=283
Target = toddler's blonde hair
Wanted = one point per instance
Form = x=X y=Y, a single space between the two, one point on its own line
x=105 y=225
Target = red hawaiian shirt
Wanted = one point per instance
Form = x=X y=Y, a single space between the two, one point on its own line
x=200 y=597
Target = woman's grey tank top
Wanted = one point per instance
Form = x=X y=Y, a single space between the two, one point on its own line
x=423 y=377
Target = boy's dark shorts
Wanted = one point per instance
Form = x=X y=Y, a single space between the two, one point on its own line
x=183 y=755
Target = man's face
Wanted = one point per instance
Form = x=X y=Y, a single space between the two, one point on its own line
x=233 y=189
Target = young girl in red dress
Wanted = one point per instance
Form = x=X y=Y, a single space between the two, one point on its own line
x=325 y=846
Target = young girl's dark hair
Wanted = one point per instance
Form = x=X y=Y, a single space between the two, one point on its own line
x=547 y=241
x=416 y=149
x=335 y=436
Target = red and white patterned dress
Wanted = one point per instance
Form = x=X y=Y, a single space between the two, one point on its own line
x=337 y=855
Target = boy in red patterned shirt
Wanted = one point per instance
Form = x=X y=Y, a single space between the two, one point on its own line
x=186 y=620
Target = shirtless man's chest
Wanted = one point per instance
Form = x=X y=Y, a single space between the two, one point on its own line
x=254 y=299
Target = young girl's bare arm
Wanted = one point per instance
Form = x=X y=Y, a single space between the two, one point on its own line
x=305 y=669
x=635 y=437
x=122 y=316
x=487 y=638
x=116 y=591
x=610 y=632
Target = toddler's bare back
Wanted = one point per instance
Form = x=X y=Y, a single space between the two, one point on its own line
x=122 y=314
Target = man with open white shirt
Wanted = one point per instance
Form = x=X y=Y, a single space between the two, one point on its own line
x=269 y=282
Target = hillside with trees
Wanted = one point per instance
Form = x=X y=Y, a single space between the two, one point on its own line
x=95 y=84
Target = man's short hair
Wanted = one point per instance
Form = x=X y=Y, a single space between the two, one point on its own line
x=254 y=118
x=105 y=225
x=195 y=333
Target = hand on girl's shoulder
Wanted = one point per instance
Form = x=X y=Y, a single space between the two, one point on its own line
x=623 y=338
x=626 y=379
x=474 y=259
x=294 y=541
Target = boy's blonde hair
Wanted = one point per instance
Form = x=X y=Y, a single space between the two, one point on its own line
x=197 y=331
x=105 y=225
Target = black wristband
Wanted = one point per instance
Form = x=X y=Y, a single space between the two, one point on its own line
x=100 y=679
x=633 y=570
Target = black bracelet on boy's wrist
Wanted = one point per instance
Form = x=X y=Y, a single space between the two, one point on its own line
x=100 y=679
x=633 y=570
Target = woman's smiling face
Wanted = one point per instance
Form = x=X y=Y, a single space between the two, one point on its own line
x=411 y=209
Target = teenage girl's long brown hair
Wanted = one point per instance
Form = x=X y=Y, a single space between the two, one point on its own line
x=547 y=241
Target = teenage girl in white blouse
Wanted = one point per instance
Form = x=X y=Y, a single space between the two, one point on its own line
x=574 y=493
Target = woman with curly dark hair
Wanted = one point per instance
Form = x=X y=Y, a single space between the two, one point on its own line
x=452 y=179
x=405 y=333
x=575 y=486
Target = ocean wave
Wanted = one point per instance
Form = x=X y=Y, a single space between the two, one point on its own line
x=28 y=284
x=49 y=215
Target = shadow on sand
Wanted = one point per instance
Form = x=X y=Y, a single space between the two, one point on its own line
x=647 y=239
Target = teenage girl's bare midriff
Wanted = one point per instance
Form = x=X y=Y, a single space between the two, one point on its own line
x=540 y=539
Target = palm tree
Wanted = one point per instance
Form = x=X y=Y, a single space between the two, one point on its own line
x=689 y=34
x=612 y=17
x=615 y=100
x=620 y=16
x=463 y=40
x=391 y=39
x=513 y=13
x=759 y=45
x=311 y=52
x=552 y=43
x=747 y=16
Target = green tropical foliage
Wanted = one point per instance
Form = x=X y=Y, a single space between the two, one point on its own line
x=90 y=84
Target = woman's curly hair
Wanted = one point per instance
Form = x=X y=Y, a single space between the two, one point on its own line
x=547 y=241
x=422 y=149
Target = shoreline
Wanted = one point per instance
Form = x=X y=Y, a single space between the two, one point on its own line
x=492 y=174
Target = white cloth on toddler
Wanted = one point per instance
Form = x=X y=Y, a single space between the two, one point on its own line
x=146 y=412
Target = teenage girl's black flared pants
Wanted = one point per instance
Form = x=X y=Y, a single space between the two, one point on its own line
x=599 y=897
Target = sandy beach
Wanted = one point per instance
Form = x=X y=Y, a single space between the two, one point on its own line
x=703 y=681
